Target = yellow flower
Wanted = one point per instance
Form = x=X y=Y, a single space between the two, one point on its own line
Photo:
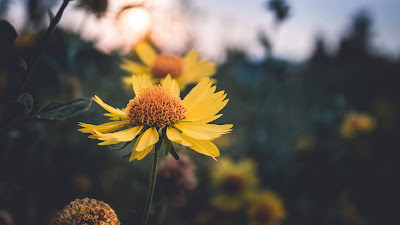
x=355 y=123
x=266 y=209
x=235 y=182
x=159 y=109
x=186 y=70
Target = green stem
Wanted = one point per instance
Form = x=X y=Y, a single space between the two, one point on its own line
x=42 y=43
x=152 y=184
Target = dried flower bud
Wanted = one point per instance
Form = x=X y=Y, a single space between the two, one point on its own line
x=87 y=211
x=176 y=177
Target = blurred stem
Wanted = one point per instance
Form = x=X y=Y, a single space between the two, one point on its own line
x=153 y=177
x=42 y=44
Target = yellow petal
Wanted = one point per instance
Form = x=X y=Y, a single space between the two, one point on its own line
x=195 y=69
x=140 y=155
x=176 y=136
x=134 y=68
x=199 y=92
x=208 y=107
x=127 y=135
x=148 y=138
x=204 y=147
x=103 y=128
x=203 y=131
x=171 y=84
x=146 y=53
x=140 y=82
x=106 y=138
x=206 y=120
x=114 y=111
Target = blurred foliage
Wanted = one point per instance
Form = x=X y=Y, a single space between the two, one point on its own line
x=287 y=118
x=280 y=8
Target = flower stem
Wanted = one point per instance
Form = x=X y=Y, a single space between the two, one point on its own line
x=42 y=44
x=152 y=184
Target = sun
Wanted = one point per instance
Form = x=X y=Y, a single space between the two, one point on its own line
x=134 y=23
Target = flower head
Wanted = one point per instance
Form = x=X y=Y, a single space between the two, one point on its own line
x=159 y=109
x=355 y=123
x=186 y=70
x=87 y=211
x=266 y=209
x=234 y=182
x=176 y=177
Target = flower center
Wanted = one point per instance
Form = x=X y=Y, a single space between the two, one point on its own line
x=165 y=64
x=155 y=106
x=233 y=184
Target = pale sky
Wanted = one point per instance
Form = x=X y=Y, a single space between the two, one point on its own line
x=217 y=24
x=295 y=37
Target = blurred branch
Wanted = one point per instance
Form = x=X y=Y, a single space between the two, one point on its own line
x=42 y=43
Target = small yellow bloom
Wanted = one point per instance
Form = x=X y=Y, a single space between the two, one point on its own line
x=235 y=183
x=159 y=109
x=186 y=70
x=266 y=209
x=355 y=123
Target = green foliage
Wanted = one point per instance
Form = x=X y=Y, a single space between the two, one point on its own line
x=50 y=14
x=27 y=100
x=61 y=111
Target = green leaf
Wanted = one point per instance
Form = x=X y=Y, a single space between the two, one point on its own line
x=23 y=65
x=61 y=111
x=51 y=14
x=27 y=100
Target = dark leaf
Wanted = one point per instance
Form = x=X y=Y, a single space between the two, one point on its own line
x=27 y=100
x=23 y=65
x=120 y=148
x=173 y=152
x=61 y=111
x=51 y=14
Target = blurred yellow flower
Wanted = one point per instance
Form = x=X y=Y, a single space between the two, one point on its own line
x=355 y=123
x=266 y=209
x=159 y=109
x=235 y=183
x=305 y=142
x=186 y=70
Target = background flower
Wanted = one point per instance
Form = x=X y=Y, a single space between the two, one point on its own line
x=186 y=70
x=234 y=183
x=176 y=177
x=266 y=209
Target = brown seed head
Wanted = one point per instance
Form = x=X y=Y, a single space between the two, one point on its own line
x=233 y=184
x=165 y=64
x=262 y=214
x=87 y=211
x=155 y=106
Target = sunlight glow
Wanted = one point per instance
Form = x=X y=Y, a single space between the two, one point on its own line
x=134 y=23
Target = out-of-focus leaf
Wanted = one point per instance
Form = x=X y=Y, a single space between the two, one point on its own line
x=8 y=33
x=27 y=100
x=61 y=111
x=23 y=65
x=51 y=14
